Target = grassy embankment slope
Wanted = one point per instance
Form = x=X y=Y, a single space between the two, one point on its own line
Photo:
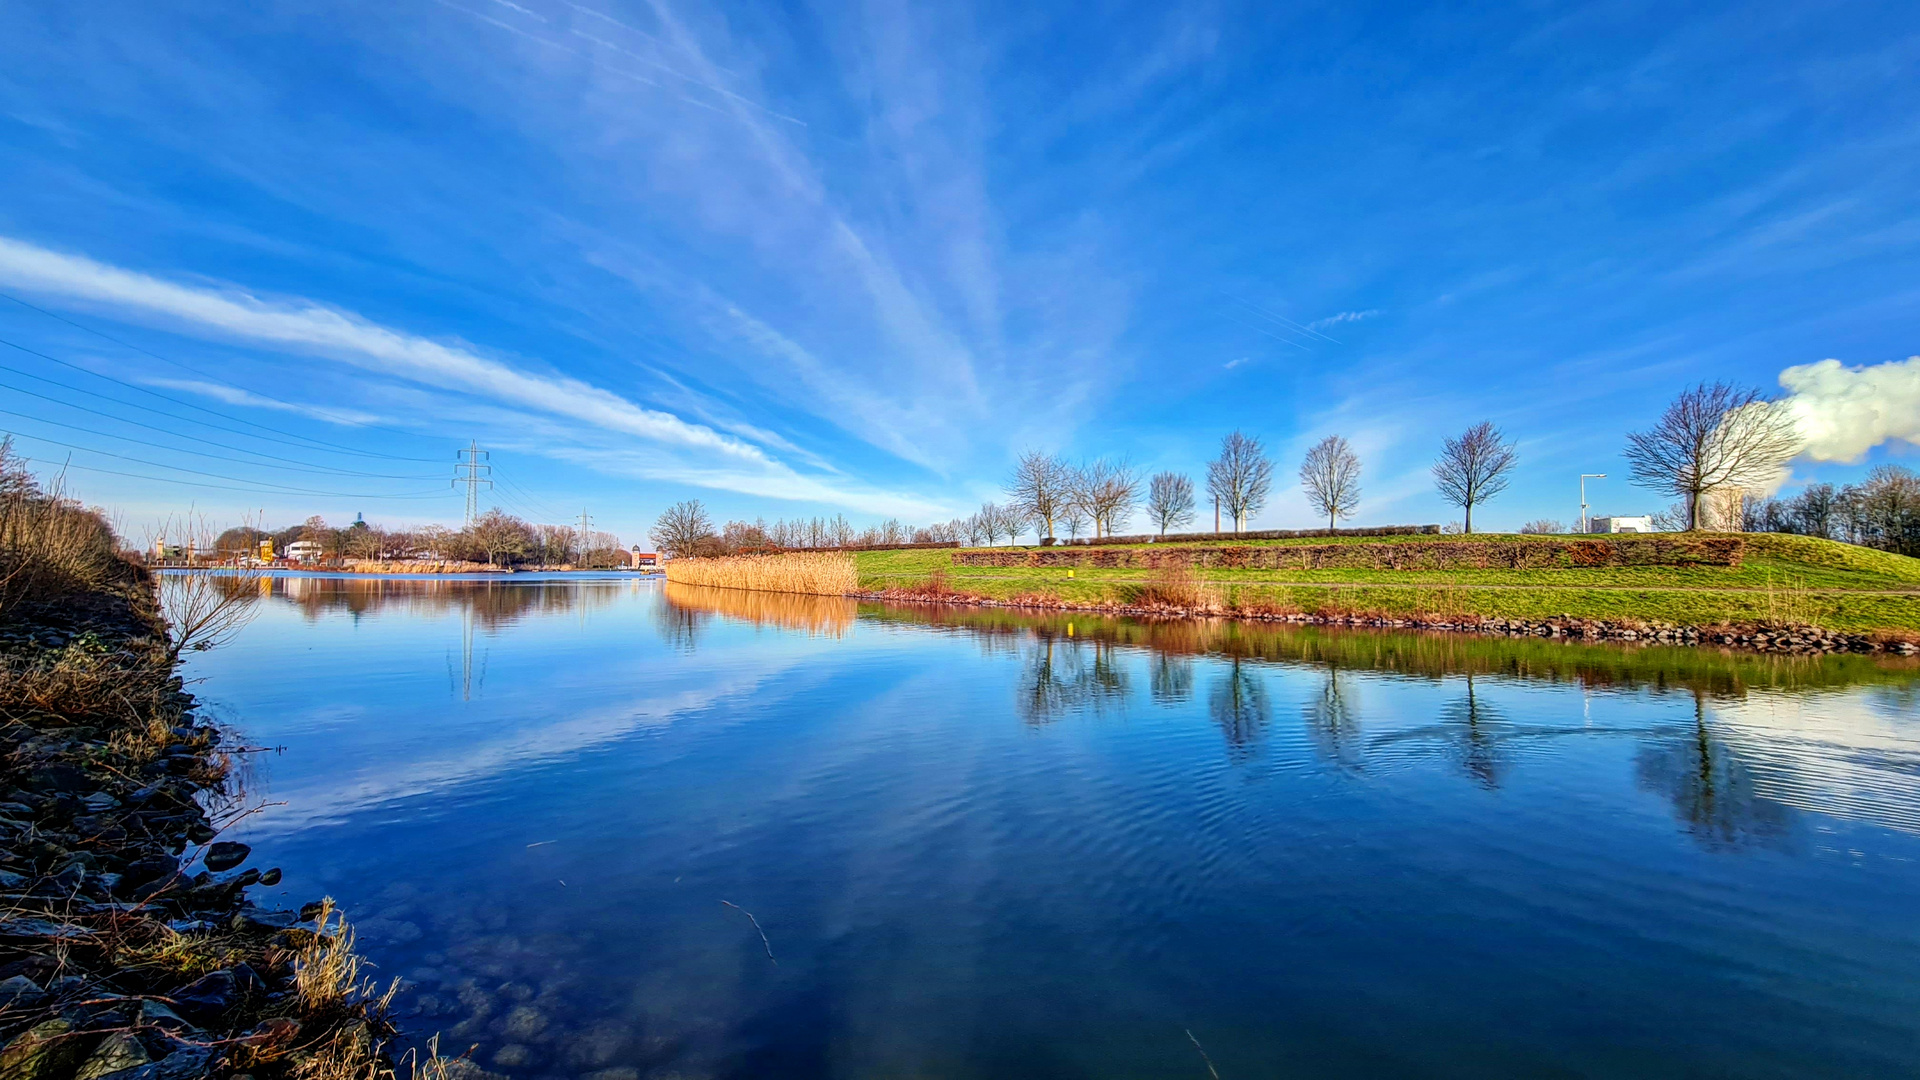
x=1780 y=580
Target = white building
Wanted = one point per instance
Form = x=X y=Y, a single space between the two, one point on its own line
x=1618 y=524
x=304 y=550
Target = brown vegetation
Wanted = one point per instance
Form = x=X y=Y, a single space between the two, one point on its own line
x=818 y=572
x=129 y=943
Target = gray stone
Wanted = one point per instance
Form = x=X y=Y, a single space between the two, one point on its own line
x=160 y=1016
x=512 y=1056
x=43 y=1052
x=117 y=1052
x=187 y=1064
x=21 y=992
x=226 y=855
x=523 y=1022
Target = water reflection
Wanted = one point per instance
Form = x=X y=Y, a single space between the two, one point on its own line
x=1062 y=674
x=687 y=608
x=1729 y=783
x=1437 y=655
x=493 y=602
x=1711 y=789
x=1238 y=703
x=1333 y=723
x=1380 y=853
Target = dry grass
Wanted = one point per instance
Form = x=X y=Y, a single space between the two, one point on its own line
x=1790 y=603
x=50 y=547
x=326 y=971
x=1174 y=584
x=83 y=683
x=819 y=573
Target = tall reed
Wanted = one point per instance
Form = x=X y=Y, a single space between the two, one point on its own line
x=823 y=573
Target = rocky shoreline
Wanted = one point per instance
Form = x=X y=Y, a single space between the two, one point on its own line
x=1755 y=638
x=129 y=949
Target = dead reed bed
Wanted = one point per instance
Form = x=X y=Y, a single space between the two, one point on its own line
x=818 y=572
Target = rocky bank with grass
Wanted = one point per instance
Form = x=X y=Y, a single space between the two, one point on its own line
x=129 y=949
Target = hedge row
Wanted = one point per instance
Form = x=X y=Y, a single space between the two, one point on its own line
x=884 y=547
x=1461 y=555
x=1259 y=534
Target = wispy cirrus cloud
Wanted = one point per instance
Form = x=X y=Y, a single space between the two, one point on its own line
x=233 y=395
x=1343 y=317
x=556 y=416
x=307 y=326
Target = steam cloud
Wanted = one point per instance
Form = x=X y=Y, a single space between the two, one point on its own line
x=1842 y=412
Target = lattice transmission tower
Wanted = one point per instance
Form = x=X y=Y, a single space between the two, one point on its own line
x=473 y=470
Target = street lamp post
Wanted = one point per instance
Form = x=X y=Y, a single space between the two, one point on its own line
x=1584 y=477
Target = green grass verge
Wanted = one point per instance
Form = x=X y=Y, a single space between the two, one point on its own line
x=1782 y=579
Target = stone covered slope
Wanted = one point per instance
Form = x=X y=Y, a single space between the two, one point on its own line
x=128 y=948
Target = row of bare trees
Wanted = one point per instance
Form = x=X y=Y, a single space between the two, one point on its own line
x=1714 y=437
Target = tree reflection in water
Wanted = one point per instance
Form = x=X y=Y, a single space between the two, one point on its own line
x=493 y=603
x=1060 y=675
x=1476 y=736
x=1333 y=724
x=1711 y=789
x=1238 y=704
x=1171 y=678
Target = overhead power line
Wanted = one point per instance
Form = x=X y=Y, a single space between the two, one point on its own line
x=204 y=454
x=272 y=458
x=188 y=368
x=303 y=442
x=257 y=485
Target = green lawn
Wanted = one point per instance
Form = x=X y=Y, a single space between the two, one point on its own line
x=1781 y=579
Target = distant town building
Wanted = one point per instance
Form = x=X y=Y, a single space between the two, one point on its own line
x=163 y=550
x=304 y=550
x=643 y=560
x=1618 y=524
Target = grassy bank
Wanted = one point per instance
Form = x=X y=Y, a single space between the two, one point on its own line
x=128 y=946
x=1780 y=580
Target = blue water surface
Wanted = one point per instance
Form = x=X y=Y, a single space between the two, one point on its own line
x=986 y=845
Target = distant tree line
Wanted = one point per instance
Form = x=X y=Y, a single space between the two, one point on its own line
x=1882 y=511
x=496 y=538
x=1712 y=444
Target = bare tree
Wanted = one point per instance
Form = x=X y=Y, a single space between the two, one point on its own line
x=1540 y=526
x=682 y=525
x=1012 y=521
x=1169 y=500
x=1112 y=488
x=1713 y=436
x=1239 y=477
x=1331 y=478
x=204 y=609
x=1041 y=489
x=1474 y=468
x=500 y=535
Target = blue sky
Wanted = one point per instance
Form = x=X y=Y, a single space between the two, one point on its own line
x=797 y=259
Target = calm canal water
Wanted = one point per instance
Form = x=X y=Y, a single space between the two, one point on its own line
x=983 y=845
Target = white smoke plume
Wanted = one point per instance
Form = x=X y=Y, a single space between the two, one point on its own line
x=1842 y=412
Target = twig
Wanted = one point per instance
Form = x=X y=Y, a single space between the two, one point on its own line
x=756 y=927
x=1203 y=1054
